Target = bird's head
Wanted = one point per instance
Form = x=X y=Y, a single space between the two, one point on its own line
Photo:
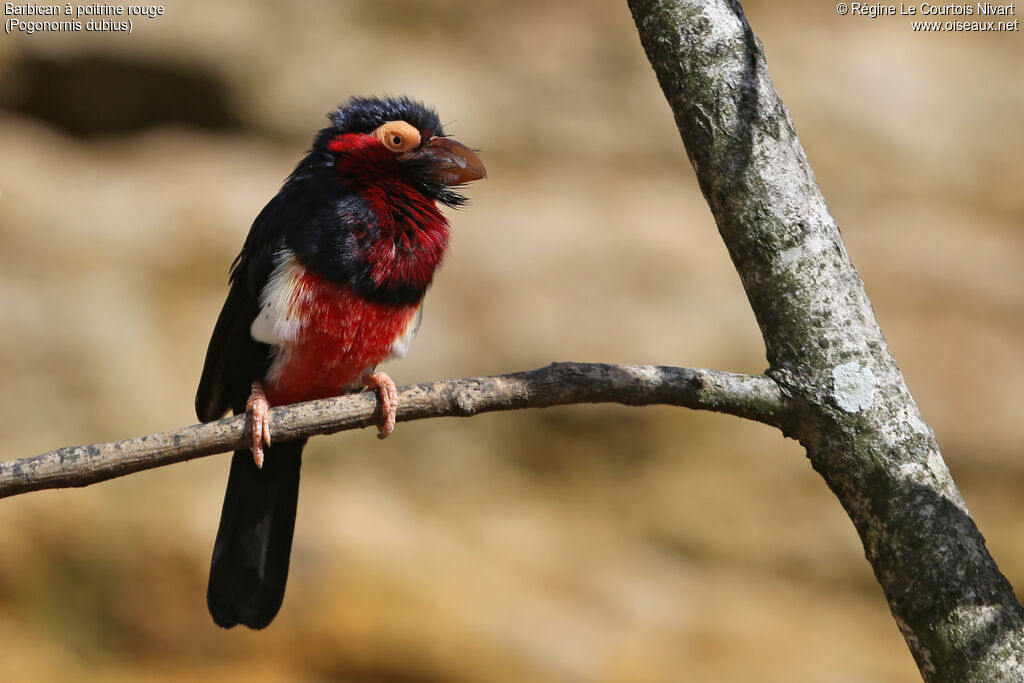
x=378 y=141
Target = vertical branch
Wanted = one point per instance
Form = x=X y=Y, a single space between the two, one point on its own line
x=858 y=421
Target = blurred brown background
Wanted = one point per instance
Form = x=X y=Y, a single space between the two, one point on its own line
x=581 y=544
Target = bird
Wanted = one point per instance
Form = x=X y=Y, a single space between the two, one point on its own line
x=328 y=284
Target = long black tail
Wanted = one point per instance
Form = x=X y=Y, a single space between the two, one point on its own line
x=254 y=540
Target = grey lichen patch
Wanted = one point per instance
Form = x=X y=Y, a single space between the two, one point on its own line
x=853 y=387
x=971 y=619
x=787 y=259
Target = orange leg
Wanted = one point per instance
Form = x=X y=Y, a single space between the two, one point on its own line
x=260 y=409
x=385 y=387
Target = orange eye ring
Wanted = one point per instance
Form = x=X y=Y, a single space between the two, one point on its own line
x=397 y=136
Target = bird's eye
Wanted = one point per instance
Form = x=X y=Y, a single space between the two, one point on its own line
x=398 y=136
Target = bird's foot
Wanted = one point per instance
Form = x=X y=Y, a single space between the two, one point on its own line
x=388 y=392
x=260 y=409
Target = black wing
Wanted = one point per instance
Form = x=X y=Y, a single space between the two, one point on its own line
x=234 y=359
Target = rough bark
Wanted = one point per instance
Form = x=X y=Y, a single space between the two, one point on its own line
x=753 y=397
x=852 y=410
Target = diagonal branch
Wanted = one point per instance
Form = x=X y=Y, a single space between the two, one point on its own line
x=854 y=414
x=754 y=397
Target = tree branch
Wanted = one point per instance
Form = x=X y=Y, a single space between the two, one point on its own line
x=855 y=415
x=753 y=397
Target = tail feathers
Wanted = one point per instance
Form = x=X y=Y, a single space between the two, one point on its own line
x=254 y=541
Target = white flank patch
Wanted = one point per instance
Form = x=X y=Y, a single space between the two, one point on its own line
x=276 y=324
x=401 y=345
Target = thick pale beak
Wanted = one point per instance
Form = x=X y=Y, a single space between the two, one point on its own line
x=454 y=163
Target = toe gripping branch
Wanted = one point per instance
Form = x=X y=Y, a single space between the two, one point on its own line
x=385 y=387
x=259 y=408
